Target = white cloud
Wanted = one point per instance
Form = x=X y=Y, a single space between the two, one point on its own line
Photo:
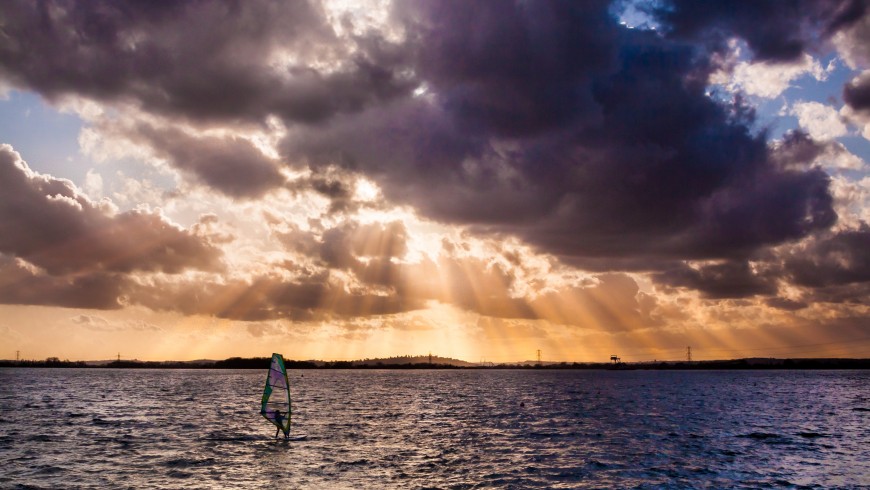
x=764 y=79
x=851 y=201
x=822 y=122
x=836 y=156
x=93 y=184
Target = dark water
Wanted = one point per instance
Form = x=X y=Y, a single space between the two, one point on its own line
x=99 y=428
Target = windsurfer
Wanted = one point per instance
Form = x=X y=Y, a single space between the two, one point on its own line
x=279 y=420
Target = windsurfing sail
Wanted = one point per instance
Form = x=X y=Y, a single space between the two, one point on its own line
x=276 y=395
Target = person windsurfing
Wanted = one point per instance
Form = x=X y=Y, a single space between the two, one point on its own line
x=279 y=419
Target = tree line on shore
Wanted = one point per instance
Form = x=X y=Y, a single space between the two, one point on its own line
x=396 y=363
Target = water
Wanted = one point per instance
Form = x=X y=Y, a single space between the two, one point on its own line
x=102 y=428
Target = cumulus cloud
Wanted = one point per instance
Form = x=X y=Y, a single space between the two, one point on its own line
x=549 y=121
x=23 y=284
x=51 y=224
x=231 y=165
x=170 y=59
x=642 y=162
x=767 y=79
x=733 y=279
x=544 y=121
x=821 y=121
x=267 y=297
x=797 y=150
x=839 y=258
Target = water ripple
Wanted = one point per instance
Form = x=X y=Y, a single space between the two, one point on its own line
x=436 y=429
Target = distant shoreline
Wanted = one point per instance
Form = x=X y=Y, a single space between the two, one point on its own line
x=440 y=363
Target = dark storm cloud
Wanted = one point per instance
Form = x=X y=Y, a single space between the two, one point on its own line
x=634 y=160
x=205 y=60
x=47 y=222
x=848 y=294
x=797 y=149
x=777 y=30
x=543 y=120
x=21 y=285
x=231 y=165
x=734 y=279
x=856 y=94
x=505 y=67
x=335 y=185
x=838 y=259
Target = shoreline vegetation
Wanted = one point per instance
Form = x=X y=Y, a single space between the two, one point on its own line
x=424 y=362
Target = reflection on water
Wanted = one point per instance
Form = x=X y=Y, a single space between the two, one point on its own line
x=441 y=429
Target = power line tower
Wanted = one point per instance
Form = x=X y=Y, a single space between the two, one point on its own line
x=689 y=353
x=539 y=356
x=17 y=355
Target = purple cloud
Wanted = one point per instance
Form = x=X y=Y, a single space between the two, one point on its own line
x=49 y=223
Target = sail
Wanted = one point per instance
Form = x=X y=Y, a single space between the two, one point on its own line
x=276 y=395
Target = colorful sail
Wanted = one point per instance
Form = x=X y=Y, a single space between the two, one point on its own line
x=276 y=395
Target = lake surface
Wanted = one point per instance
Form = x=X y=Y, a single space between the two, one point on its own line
x=104 y=428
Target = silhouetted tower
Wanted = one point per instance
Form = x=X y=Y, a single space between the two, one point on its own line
x=539 y=356
x=119 y=357
x=17 y=354
x=689 y=353
x=430 y=357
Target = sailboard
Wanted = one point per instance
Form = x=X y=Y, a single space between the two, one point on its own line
x=276 y=396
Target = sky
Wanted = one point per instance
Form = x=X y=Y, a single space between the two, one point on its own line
x=479 y=180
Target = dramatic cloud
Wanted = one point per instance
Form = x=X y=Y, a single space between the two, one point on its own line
x=23 y=284
x=231 y=165
x=797 y=150
x=856 y=95
x=502 y=132
x=268 y=297
x=853 y=41
x=204 y=61
x=503 y=67
x=765 y=79
x=841 y=258
x=631 y=158
x=723 y=280
x=773 y=29
x=49 y=223
x=822 y=122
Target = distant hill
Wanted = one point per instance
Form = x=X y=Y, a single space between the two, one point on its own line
x=401 y=360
